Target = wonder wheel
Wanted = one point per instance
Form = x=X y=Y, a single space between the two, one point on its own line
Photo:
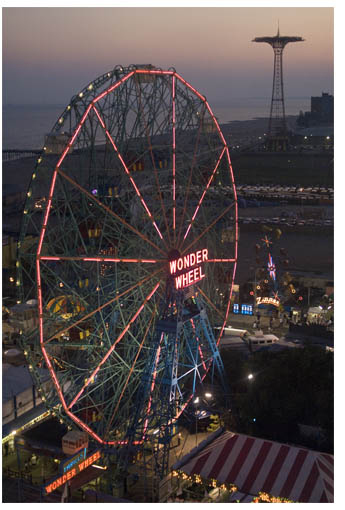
x=129 y=246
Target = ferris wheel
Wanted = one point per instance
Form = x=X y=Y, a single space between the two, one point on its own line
x=129 y=245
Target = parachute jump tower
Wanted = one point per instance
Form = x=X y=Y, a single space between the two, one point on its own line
x=277 y=137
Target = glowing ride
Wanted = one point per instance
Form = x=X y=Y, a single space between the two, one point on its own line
x=120 y=245
x=273 y=297
x=271 y=267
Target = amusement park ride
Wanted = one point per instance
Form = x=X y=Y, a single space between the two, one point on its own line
x=132 y=260
x=270 y=284
x=277 y=137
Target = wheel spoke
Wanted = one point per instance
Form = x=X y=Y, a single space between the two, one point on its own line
x=102 y=259
x=203 y=196
x=46 y=215
x=153 y=382
x=154 y=168
x=104 y=305
x=174 y=156
x=222 y=261
x=189 y=185
x=221 y=315
x=131 y=370
x=122 y=334
x=206 y=229
x=130 y=177
x=112 y=213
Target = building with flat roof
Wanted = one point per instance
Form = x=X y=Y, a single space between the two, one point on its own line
x=321 y=111
x=19 y=395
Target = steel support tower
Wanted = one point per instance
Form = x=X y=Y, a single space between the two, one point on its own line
x=277 y=137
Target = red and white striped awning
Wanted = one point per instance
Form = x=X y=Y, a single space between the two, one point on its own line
x=256 y=465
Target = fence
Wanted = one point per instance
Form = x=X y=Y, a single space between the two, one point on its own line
x=12 y=473
x=12 y=154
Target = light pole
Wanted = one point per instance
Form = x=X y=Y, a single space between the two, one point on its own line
x=196 y=402
x=255 y=290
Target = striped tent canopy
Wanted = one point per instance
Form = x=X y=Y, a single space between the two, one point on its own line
x=65 y=306
x=256 y=465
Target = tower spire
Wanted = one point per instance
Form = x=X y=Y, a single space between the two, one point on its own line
x=277 y=131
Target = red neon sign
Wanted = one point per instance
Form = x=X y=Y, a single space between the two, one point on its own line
x=188 y=262
x=72 y=472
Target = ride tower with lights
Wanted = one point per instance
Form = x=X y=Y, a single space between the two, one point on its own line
x=277 y=136
x=183 y=326
x=267 y=291
x=129 y=245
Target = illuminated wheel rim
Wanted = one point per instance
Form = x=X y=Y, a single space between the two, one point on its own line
x=135 y=167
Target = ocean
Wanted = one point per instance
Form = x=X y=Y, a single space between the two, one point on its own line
x=256 y=107
x=25 y=126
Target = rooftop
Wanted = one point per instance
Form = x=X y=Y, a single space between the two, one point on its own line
x=15 y=380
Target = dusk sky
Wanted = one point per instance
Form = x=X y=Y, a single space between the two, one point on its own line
x=50 y=54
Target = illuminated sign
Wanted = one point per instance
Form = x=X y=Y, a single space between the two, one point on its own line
x=69 y=463
x=71 y=473
x=187 y=269
x=247 y=309
x=267 y=301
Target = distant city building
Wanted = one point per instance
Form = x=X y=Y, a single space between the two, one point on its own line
x=323 y=106
x=321 y=111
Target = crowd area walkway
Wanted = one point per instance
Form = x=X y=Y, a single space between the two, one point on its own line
x=26 y=473
x=28 y=466
x=250 y=323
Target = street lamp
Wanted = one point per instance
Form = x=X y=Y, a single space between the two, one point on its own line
x=256 y=287
x=208 y=395
x=250 y=376
x=196 y=415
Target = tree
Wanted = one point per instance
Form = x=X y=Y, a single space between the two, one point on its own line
x=289 y=387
